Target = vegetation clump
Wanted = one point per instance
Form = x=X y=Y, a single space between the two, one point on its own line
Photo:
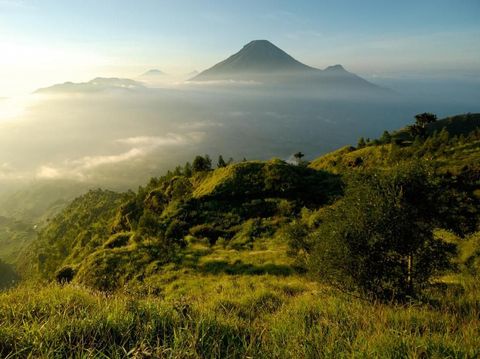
x=379 y=237
x=266 y=258
x=65 y=275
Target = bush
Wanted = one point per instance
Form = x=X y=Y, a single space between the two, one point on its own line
x=470 y=254
x=65 y=275
x=206 y=231
x=378 y=239
x=248 y=232
x=118 y=240
x=8 y=276
x=176 y=231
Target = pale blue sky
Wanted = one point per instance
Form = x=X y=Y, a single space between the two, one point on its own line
x=46 y=41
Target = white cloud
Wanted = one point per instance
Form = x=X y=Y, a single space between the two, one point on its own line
x=48 y=172
x=154 y=141
x=140 y=146
x=8 y=172
x=224 y=82
x=95 y=161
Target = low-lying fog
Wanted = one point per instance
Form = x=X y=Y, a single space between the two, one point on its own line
x=120 y=137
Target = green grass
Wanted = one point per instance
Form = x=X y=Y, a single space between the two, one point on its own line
x=233 y=311
x=453 y=159
x=231 y=291
x=15 y=235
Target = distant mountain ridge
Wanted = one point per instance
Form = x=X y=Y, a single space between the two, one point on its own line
x=258 y=61
x=258 y=56
x=97 y=84
x=262 y=61
x=153 y=72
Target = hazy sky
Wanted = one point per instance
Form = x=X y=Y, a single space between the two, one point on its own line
x=48 y=41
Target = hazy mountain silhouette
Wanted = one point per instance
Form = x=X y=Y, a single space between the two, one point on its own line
x=260 y=60
x=97 y=84
x=257 y=57
x=192 y=74
x=153 y=72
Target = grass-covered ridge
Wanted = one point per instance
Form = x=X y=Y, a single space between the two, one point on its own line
x=106 y=239
x=450 y=147
x=15 y=235
x=368 y=251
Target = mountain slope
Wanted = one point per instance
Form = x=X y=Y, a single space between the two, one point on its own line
x=110 y=239
x=263 y=62
x=258 y=57
x=96 y=85
x=132 y=233
x=204 y=269
x=153 y=72
x=15 y=235
x=452 y=145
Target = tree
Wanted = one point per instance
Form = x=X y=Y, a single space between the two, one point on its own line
x=209 y=161
x=221 y=162
x=423 y=119
x=201 y=164
x=179 y=188
x=386 y=137
x=379 y=239
x=178 y=171
x=421 y=122
x=361 y=143
x=298 y=157
x=187 y=170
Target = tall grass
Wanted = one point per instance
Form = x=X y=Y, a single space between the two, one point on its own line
x=234 y=316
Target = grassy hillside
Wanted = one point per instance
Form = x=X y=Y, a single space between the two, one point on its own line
x=73 y=232
x=226 y=303
x=454 y=152
x=109 y=239
x=204 y=263
x=25 y=211
x=37 y=201
x=15 y=235
x=455 y=125
x=8 y=276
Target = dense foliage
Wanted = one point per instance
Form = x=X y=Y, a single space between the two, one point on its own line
x=73 y=233
x=15 y=235
x=104 y=239
x=379 y=237
x=8 y=276
x=246 y=260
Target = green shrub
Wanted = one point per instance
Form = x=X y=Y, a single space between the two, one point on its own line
x=470 y=254
x=65 y=275
x=8 y=276
x=379 y=237
x=206 y=231
x=118 y=240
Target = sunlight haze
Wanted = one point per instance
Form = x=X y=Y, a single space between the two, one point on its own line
x=44 y=42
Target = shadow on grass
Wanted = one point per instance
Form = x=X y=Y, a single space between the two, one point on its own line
x=191 y=259
x=240 y=268
x=8 y=276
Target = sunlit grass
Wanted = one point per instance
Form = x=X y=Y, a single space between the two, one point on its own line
x=187 y=312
